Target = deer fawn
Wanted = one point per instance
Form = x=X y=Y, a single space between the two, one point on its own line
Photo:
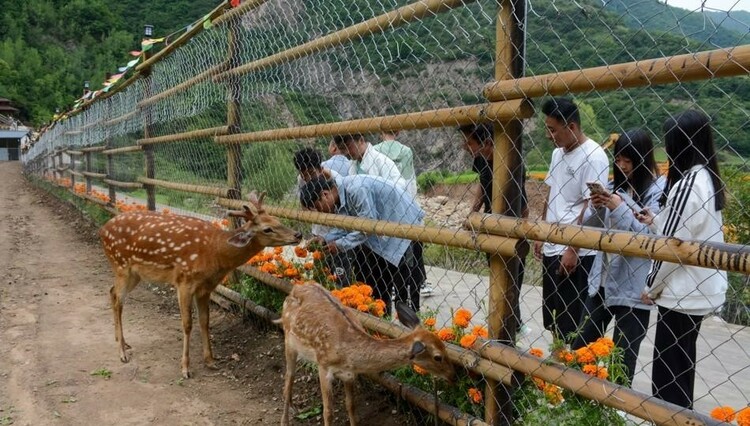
x=320 y=329
x=190 y=254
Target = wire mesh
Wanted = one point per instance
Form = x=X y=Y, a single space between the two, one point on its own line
x=277 y=67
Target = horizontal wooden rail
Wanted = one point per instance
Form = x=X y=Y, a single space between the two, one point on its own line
x=184 y=38
x=123 y=150
x=729 y=257
x=120 y=87
x=622 y=398
x=74 y=152
x=118 y=184
x=92 y=124
x=728 y=62
x=62 y=169
x=94 y=175
x=232 y=14
x=198 y=189
x=75 y=173
x=205 y=75
x=93 y=149
x=378 y=24
x=120 y=119
x=428 y=234
x=457 y=116
x=195 y=134
x=103 y=204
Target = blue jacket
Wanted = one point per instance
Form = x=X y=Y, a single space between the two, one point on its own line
x=624 y=277
x=373 y=197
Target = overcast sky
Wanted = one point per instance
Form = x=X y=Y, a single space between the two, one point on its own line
x=710 y=5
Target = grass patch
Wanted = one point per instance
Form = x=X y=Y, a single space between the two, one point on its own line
x=260 y=293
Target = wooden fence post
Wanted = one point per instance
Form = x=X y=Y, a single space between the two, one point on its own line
x=148 y=150
x=506 y=199
x=110 y=158
x=88 y=169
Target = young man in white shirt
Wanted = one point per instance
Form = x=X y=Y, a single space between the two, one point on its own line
x=365 y=160
x=575 y=161
x=401 y=155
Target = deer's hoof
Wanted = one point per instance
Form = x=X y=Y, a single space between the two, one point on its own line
x=185 y=374
x=211 y=364
x=124 y=358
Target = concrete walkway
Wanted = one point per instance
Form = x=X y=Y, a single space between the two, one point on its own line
x=723 y=370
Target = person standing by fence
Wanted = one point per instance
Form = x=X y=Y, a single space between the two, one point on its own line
x=401 y=155
x=685 y=294
x=616 y=281
x=575 y=161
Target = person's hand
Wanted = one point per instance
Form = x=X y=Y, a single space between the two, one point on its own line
x=646 y=299
x=568 y=262
x=645 y=216
x=538 y=249
x=332 y=248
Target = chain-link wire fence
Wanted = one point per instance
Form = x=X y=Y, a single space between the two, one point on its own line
x=440 y=101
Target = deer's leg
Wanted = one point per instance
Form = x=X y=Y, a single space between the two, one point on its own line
x=326 y=395
x=124 y=282
x=186 y=312
x=202 y=301
x=349 y=397
x=291 y=367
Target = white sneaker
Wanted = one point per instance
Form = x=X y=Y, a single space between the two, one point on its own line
x=426 y=290
x=523 y=331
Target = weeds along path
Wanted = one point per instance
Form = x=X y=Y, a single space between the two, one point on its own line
x=59 y=363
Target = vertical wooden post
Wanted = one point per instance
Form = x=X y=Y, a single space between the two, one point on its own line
x=148 y=150
x=506 y=192
x=60 y=162
x=234 y=121
x=72 y=169
x=110 y=158
x=88 y=169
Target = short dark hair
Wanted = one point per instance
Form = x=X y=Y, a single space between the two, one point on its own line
x=562 y=110
x=635 y=145
x=306 y=159
x=689 y=141
x=310 y=192
x=342 y=140
x=482 y=133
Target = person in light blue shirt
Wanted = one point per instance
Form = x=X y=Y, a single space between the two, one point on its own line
x=382 y=261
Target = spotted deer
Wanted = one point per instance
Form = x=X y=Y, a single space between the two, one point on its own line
x=190 y=254
x=320 y=329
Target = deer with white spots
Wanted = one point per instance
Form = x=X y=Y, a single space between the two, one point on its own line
x=190 y=254
x=320 y=329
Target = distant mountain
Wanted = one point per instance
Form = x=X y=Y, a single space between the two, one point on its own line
x=736 y=20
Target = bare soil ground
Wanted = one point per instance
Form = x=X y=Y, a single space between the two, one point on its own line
x=56 y=330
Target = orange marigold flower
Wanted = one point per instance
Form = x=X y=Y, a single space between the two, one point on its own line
x=599 y=349
x=429 y=322
x=553 y=394
x=419 y=370
x=475 y=395
x=446 y=334
x=536 y=352
x=596 y=371
x=468 y=341
x=278 y=250
x=300 y=251
x=743 y=417
x=331 y=277
x=585 y=355
x=317 y=255
x=363 y=308
x=723 y=414
x=606 y=341
x=166 y=211
x=308 y=266
x=462 y=317
x=566 y=357
x=268 y=268
x=291 y=272
x=539 y=383
x=480 y=331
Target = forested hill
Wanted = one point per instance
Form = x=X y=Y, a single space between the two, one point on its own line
x=49 y=47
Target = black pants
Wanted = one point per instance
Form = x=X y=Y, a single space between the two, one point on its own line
x=564 y=296
x=405 y=279
x=673 y=371
x=630 y=329
x=340 y=264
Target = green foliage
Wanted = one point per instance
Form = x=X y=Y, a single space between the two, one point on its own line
x=427 y=180
x=261 y=294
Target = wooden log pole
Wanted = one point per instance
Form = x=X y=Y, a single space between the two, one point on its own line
x=88 y=170
x=728 y=62
x=728 y=257
x=110 y=158
x=491 y=112
x=197 y=189
x=149 y=164
x=177 y=137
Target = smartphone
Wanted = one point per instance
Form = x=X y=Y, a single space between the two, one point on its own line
x=596 y=188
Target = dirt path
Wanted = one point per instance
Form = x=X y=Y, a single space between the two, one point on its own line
x=56 y=329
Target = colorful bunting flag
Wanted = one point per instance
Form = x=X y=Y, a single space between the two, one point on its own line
x=234 y=3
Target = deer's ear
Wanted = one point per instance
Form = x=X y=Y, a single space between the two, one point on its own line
x=406 y=315
x=241 y=238
x=416 y=349
x=250 y=212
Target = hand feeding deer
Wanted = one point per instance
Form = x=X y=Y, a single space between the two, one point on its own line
x=190 y=254
x=320 y=329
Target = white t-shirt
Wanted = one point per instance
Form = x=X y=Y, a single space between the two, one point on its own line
x=377 y=164
x=567 y=177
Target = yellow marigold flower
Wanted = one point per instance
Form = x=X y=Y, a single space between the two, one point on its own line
x=475 y=395
x=468 y=341
x=599 y=349
x=419 y=370
x=743 y=417
x=585 y=355
x=536 y=352
x=480 y=331
x=446 y=334
x=723 y=414
x=429 y=322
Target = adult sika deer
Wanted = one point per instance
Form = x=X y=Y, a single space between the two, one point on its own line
x=322 y=330
x=190 y=254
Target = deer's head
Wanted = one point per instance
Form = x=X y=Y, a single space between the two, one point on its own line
x=427 y=350
x=260 y=227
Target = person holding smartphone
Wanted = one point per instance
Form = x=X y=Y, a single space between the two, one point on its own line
x=616 y=281
x=685 y=294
